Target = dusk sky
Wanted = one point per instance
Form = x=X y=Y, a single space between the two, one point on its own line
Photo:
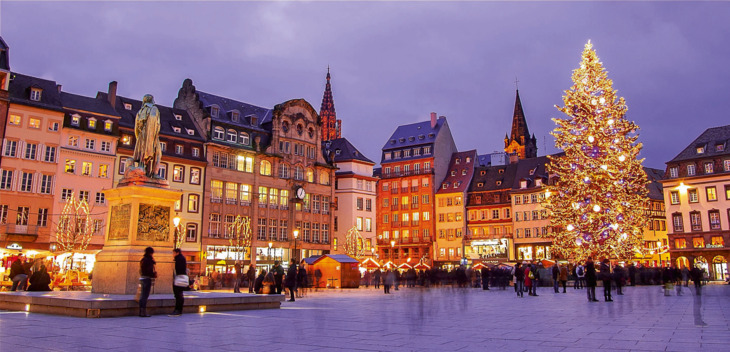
x=393 y=63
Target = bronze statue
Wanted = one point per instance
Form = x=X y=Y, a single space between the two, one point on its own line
x=147 y=152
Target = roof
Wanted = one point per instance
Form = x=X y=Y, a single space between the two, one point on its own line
x=418 y=133
x=311 y=260
x=94 y=105
x=4 y=57
x=168 y=119
x=710 y=139
x=519 y=124
x=530 y=169
x=340 y=258
x=19 y=91
x=492 y=178
x=460 y=172
x=227 y=106
x=343 y=150
x=654 y=186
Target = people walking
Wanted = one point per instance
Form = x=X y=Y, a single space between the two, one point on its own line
x=619 y=278
x=302 y=281
x=485 y=273
x=564 y=276
x=606 y=277
x=535 y=279
x=556 y=277
x=376 y=278
x=147 y=272
x=291 y=279
x=278 y=276
x=388 y=280
x=696 y=275
x=580 y=277
x=251 y=275
x=591 y=280
x=668 y=280
x=18 y=275
x=181 y=268
x=519 y=275
x=238 y=277
x=529 y=277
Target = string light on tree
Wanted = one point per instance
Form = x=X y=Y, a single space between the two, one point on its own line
x=75 y=227
x=240 y=236
x=601 y=190
x=353 y=243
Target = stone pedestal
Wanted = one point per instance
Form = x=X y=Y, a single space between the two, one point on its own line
x=140 y=216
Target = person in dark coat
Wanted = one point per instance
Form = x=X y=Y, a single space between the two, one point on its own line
x=485 y=277
x=618 y=278
x=251 y=275
x=40 y=280
x=376 y=278
x=18 y=275
x=181 y=268
x=278 y=272
x=519 y=280
x=606 y=277
x=696 y=275
x=388 y=280
x=291 y=279
x=667 y=279
x=632 y=274
x=302 y=281
x=237 y=280
x=556 y=277
x=591 y=280
x=147 y=272
x=259 y=283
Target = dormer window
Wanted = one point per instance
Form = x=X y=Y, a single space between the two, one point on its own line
x=35 y=94
x=75 y=120
x=219 y=133
x=501 y=171
x=190 y=131
x=214 y=111
x=338 y=151
x=92 y=123
x=463 y=172
x=458 y=161
x=177 y=129
x=254 y=121
x=468 y=159
x=232 y=136
x=108 y=126
x=480 y=184
x=127 y=106
x=420 y=136
x=701 y=150
x=499 y=183
x=244 y=138
x=411 y=139
x=532 y=172
x=453 y=173
x=431 y=135
x=523 y=184
x=178 y=117
x=235 y=116
x=445 y=186
x=392 y=141
x=719 y=147
x=402 y=140
x=482 y=172
x=457 y=184
x=538 y=182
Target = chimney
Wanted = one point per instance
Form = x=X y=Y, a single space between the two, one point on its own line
x=112 y=93
x=58 y=86
x=433 y=120
x=514 y=158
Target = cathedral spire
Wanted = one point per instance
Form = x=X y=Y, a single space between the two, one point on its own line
x=330 y=124
x=519 y=140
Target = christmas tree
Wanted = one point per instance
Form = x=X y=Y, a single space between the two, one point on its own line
x=598 y=202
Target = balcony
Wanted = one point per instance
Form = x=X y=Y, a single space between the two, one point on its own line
x=394 y=190
x=15 y=232
x=231 y=201
x=428 y=171
x=395 y=224
x=216 y=199
x=394 y=207
x=414 y=188
x=404 y=189
x=414 y=205
x=246 y=203
x=404 y=206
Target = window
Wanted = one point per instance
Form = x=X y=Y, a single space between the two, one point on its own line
x=310 y=175
x=518 y=200
x=711 y=193
x=714 y=219
x=70 y=166
x=193 y=202
x=358 y=223
x=324 y=178
x=34 y=123
x=4 y=214
x=73 y=141
x=727 y=192
x=726 y=165
x=214 y=111
x=216 y=191
x=126 y=140
x=163 y=146
x=718 y=241
x=100 y=198
x=691 y=170
x=108 y=126
x=75 y=120
x=698 y=242
x=194 y=176
x=90 y=144
x=263 y=193
x=680 y=243
x=179 y=149
x=22 y=217
x=244 y=138
x=427 y=150
x=162 y=171
x=14 y=120
x=35 y=94
x=46 y=183
x=6 y=181
x=42 y=217
x=66 y=193
x=92 y=123
x=26 y=182
x=103 y=171
x=244 y=163
x=299 y=173
x=86 y=168
x=677 y=222
x=214 y=226
x=53 y=126
x=10 y=148
x=219 y=133
x=495 y=214
x=127 y=106
x=693 y=197
x=232 y=136
x=84 y=196
x=695 y=221
x=30 y=151
x=709 y=168
x=284 y=171
x=106 y=146
x=196 y=152
x=674 y=197
x=368 y=224
x=369 y=204
x=265 y=168
x=191 y=233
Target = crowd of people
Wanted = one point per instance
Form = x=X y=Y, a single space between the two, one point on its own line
x=29 y=275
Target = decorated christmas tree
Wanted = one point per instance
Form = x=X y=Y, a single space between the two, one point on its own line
x=598 y=202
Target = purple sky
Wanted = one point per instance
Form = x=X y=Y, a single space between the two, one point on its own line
x=394 y=63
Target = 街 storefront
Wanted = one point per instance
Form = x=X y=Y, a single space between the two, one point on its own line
x=496 y=250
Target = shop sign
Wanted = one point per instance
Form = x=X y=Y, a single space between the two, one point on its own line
x=713 y=246
x=14 y=246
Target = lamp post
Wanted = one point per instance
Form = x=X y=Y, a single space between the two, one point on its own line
x=270 y=244
x=392 y=255
x=296 y=254
x=176 y=222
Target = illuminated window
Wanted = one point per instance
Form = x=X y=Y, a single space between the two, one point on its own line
x=103 y=170
x=693 y=197
x=194 y=176
x=680 y=243
x=265 y=168
x=34 y=123
x=711 y=193
x=14 y=120
x=709 y=168
x=674 y=197
x=698 y=242
x=86 y=168
x=92 y=123
x=695 y=221
x=108 y=126
x=178 y=173
x=70 y=166
x=677 y=222
x=691 y=170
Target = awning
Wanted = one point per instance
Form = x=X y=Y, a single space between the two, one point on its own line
x=420 y=266
x=405 y=266
x=369 y=263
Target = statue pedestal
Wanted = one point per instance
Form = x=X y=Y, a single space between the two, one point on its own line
x=139 y=217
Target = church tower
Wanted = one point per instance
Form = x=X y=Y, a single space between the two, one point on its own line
x=519 y=141
x=330 y=123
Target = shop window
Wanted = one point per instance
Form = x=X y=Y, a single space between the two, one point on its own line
x=680 y=243
x=698 y=242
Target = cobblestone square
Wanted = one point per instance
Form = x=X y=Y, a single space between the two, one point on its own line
x=410 y=319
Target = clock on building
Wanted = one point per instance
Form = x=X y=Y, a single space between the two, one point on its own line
x=301 y=193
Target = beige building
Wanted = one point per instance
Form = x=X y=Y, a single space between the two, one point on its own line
x=354 y=196
x=532 y=239
x=451 y=230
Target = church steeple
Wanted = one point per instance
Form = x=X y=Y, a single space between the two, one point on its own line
x=520 y=142
x=330 y=123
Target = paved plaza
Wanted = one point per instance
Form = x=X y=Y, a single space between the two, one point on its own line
x=411 y=319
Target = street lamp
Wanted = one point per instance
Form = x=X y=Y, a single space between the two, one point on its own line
x=392 y=255
x=296 y=254
x=270 y=244
x=178 y=240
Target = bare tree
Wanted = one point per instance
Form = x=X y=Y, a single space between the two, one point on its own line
x=75 y=226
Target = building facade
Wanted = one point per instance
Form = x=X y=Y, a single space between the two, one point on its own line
x=697 y=201
x=413 y=158
x=655 y=251
x=449 y=244
x=355 y=196
x=532 y=238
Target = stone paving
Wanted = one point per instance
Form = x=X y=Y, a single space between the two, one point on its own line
x=411 y=319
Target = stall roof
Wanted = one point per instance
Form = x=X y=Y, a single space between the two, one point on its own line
x=340 y=258
x=311 y=260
